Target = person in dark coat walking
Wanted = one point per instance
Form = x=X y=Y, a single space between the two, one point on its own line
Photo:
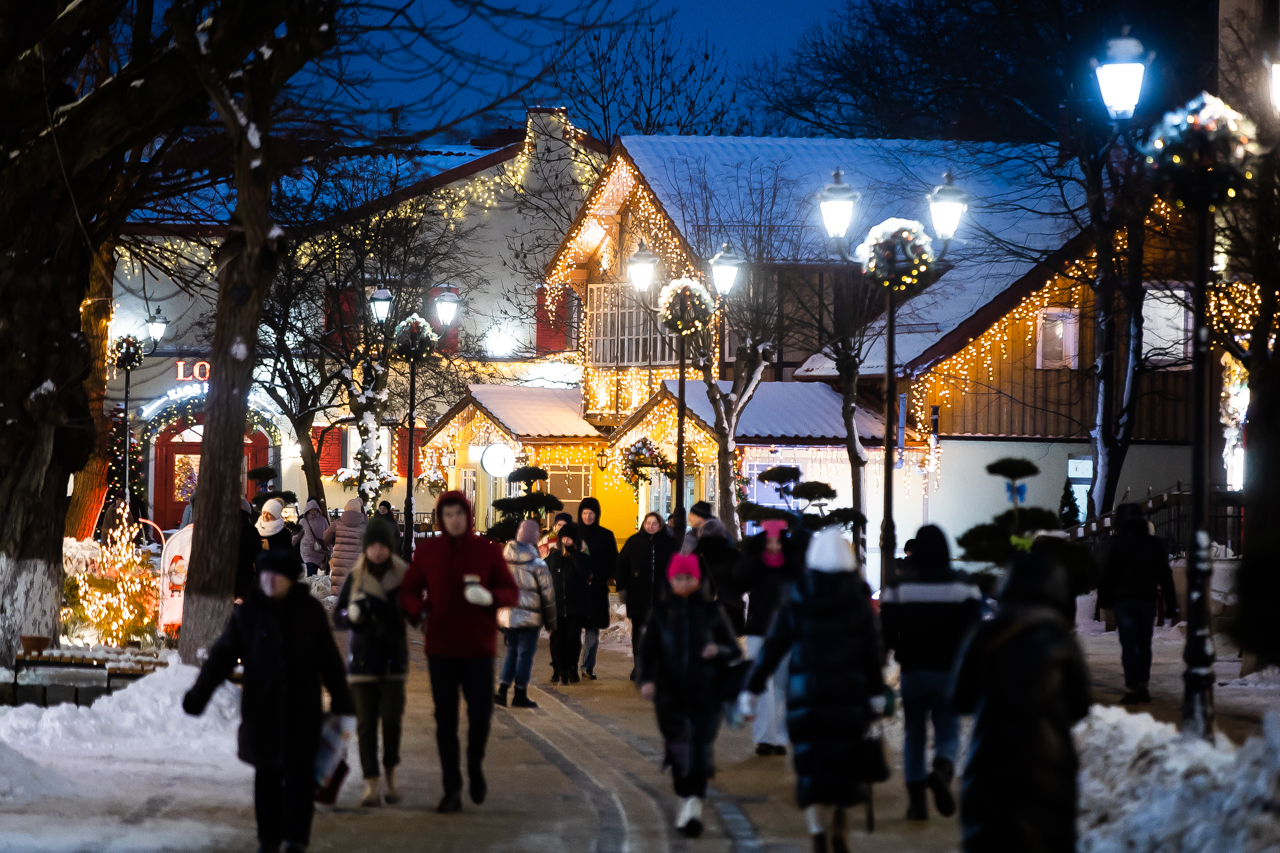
x=377 y=655
x=602 y=546
x=281 y=634
x=926 y=615
x=688 y=643
x=770 y=564
x=641 y=576
x=1135 y=572
x=718 y=560
x=1024 y=675
x=827 y=629
x=385 y=512
x=570 y=574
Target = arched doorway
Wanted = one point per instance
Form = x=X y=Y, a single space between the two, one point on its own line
x=177 y=461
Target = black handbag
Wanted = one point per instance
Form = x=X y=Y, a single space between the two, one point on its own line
x=733 y=679
x=871 y=764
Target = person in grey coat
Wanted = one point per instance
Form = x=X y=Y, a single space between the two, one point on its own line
x=345 y=536
x=311 y=529
x=521 y=624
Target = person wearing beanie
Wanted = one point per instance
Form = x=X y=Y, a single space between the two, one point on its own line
x=377 y=654
x=602 y=546
x=641 y=575
x=387 y=514
x=827 y=629
x=570 y=571
x=455 y=586
x=699 y=514
x=771 y=562
x=345 y=536
x=281 y=635
x=560 y=520
x=270 y=526
x=688 y=644
x=521 y=623
x=926 y=613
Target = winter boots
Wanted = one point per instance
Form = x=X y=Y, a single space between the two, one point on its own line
x=500 y=698
x=450 y=803
x=372 y=796
x=522 y=699
x=940 y=783
x=917 y=805
x=1137 y=696
x=393 y=793
x=571 y=676
x=690 y=820
x=479 y=787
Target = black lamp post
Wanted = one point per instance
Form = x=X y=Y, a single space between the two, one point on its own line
x=129 y=355
x=897 y=255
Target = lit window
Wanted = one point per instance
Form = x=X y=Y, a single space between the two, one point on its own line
x=1166 y=326
x=1058 y=339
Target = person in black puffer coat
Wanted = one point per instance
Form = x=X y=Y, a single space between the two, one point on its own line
x=688 y=644
x=770 y=564
x=1136 y=571
x=828 y=629
x=377 y=654
x=718 y=560
x=570 y=573
x=1024 y=675
x=602 y=546
x=641 y=576
x=282 y=636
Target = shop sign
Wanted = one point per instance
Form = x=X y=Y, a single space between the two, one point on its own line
x=199 y=371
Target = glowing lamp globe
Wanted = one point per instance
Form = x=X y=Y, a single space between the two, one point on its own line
x=724 y=268
x=156 y=324
x=641 y=268
x=498 y=460
x=447 y=307
x=1120 y=77
x=836 y=203
x=947 y=204
x=380 y=304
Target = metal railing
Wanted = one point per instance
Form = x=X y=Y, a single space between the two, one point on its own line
x=1170 y=513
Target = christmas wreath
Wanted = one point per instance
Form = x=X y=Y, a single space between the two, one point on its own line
x=1198 y=154
x=896 y=253
x=414 y=337
x=128 y=353
x=645 y=454
x=685 y=306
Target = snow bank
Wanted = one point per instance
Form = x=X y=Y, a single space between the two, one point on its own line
x=1265 y=679
x=21 y=779
x=617 y=637
x=1145 y=787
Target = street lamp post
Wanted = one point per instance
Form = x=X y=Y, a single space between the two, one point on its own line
x=128 y=357
x=897 y=254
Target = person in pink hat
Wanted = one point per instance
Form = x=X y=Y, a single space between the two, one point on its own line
x=687 y=647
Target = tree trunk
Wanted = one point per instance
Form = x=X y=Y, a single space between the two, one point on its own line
x=90 y=488
x=310 y=460
x=46 y=431
x=1101 y=437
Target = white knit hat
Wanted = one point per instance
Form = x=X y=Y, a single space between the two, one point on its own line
x=275 y=506
x=829 y=552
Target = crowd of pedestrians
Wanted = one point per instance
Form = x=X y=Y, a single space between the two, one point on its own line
x=781 y=629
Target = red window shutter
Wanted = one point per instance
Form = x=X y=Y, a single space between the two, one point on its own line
x=341 y=327
x=402 y=452
x=330 y=453
x=552 y=334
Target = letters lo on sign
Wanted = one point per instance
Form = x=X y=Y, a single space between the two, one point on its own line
x=199 y=372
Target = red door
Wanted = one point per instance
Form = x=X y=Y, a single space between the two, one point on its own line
x=177 y=457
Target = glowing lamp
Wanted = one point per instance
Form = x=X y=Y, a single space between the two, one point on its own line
x=447 y=307
x=947 y=203
x=836 y=203
x=156 y=325
x=380 y=304
x=641 y=268
x=1120 y=77
x=724 y=268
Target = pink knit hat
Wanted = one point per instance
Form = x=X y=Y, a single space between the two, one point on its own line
x=527 y=532
x=684 y=564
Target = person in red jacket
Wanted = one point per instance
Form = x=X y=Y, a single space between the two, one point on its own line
x=454 y=588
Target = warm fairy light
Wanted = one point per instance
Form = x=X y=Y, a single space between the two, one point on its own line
x=119 y=599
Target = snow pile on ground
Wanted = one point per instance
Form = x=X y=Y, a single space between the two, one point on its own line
x=1143 y=786
x=1085 y=625
x=79 y=556
x=617 y=637
x=321 y=587
x=1264 y=679
x=21 y=779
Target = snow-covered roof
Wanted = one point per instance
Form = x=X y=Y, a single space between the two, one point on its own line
x=531 y=412
x=784 y=412
x=1016 y=218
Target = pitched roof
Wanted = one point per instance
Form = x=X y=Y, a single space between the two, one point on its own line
x=779 y=413
x=533 y=413
x=1017 y=216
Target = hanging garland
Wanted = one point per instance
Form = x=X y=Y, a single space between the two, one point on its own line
x=896 y=253
x=645 y=454
x=1198 y=155
x=686 y=306
x=188 y=408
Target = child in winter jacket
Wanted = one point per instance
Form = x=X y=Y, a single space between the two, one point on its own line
x=687 y=646
x=377 y=654
x=827 y=629
x=521 y=623
x=281 y=635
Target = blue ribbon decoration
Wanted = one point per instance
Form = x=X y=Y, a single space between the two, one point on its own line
x=1020 y=491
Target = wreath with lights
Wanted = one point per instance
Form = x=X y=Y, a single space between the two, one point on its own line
x=190 y=407
x=645 y=454
x=879 y=253
x=685 y=306
x=1200 y=154
x=410 y=326
x=127 y=353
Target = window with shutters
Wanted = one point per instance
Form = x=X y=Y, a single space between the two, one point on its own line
x=329 y=454
x=622 y=331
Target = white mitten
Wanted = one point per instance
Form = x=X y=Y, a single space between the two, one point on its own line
x=476 y=594
x=354 y=613
x=747 y=705
x=877 y=705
